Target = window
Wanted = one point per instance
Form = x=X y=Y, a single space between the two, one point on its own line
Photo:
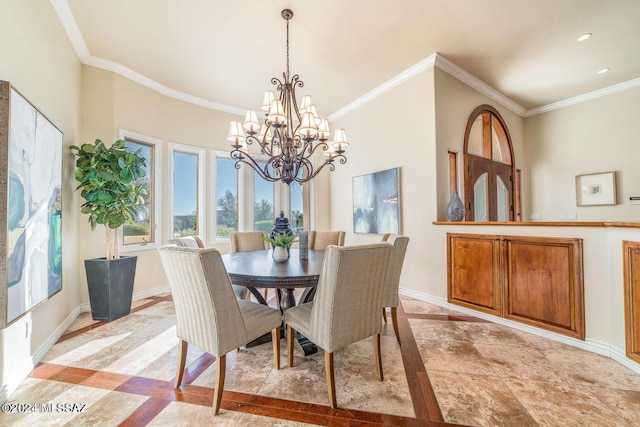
x=144 y=232
x=187 y=191
x=226 y=180
x=263 y=203
x=489 y=184
x=245 y=201
x=296 y=206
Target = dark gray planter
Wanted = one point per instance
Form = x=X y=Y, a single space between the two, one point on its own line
x=110 y=286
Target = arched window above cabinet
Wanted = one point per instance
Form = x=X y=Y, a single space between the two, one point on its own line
x=489 y=168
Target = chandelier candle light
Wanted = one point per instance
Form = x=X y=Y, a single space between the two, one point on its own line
x=290 y=135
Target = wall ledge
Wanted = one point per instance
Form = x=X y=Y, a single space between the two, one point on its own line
x=619 y=224
x=588 y=344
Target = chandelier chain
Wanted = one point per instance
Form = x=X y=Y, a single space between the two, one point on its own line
x=287 y=49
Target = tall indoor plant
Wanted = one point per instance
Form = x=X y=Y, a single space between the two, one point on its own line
x=111 y=188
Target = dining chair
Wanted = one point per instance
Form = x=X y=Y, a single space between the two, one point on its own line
x=246 y=241
x=195 y=242
x=207 y=313
x=392 y=280
x=347 y=305
x=319 y=240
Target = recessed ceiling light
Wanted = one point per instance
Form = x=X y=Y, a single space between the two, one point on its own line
x=604 y=70
x=584 y=37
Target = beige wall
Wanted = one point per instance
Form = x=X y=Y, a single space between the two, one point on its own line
x=599 y=135
x=396 y=129
x=39 y=61
x=455 y=101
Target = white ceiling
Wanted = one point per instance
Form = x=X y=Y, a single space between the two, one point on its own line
x=224 y=53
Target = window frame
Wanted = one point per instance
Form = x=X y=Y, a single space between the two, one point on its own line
x=202 y=207
x=156 y=195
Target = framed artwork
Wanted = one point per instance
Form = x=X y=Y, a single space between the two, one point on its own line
x=376 y=202
x=596 y=189
x=31 y=227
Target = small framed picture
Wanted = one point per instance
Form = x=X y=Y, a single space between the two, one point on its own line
x=596 y=189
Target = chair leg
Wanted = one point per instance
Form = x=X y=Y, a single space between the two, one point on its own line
x=182 y=358
x=384 y=314
x=275 y=338
x=290 y=334
x=221 y=366
x=394 y=319
x=377 y=355
x=331 y=384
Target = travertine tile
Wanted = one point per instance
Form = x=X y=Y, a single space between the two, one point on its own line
x=181 y=414
x=452 y=356
x=563 y=405
x=625 y=403
x=478 y=400
x=521 y=362
x=588 y=368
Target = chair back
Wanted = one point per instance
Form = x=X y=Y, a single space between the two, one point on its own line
x=207 y=312
x=400 y=243
x=245 y=241
x=187 y=242
x=348 y=300
x=321 y=239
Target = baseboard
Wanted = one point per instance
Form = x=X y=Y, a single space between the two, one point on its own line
x=591 y=345
x=43 y=349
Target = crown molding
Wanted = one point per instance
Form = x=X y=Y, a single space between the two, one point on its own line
x=465 y=77
x=70 y=25
x=407 y=74
x=609 y=90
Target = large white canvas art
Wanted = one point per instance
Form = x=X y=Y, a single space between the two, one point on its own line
x=33 y=225
x=376 y=202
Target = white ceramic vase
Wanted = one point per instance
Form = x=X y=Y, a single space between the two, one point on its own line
x=280 y=254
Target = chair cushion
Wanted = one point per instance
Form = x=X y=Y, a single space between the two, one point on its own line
x=257 y=318
x=299 y=318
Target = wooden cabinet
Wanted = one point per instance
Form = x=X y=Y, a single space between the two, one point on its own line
x=534 y=280
x=631 y=268
x=474 y=279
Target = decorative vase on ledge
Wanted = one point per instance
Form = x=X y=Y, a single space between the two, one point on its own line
x=455 y=208
x=280 y=254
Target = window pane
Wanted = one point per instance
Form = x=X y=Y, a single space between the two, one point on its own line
x=226 y=197
x=474 y=145
x=263 y=212
x=503 y=206
x=142 y=230
x=480 y=198
x=185 y=194
x=296 y=215
x=496 y=147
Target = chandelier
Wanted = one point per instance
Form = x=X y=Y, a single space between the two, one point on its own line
x=290 y=135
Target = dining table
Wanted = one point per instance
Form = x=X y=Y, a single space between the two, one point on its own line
x=257 y=270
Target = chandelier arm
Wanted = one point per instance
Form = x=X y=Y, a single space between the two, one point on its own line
x=248 y=160
x=317 y=171
x=322 y=144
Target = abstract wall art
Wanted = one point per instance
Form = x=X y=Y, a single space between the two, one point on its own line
x=376 y=202
x=30 y=221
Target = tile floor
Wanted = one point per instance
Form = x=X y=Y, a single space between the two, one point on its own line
x=450 y=370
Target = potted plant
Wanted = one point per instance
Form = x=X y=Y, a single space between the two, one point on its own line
x=111 y=188
x=281 y=244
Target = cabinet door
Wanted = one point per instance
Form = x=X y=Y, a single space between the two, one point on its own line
x=474 y=273
x=631 y=268
x=544 y=283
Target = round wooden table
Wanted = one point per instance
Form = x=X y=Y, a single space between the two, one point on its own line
x=257 y=269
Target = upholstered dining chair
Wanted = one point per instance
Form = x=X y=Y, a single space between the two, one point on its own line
x=321 y=239
x=392 y=281
x=196 y=242
x=207 y=313
x=347 y=305
x=246 y=241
